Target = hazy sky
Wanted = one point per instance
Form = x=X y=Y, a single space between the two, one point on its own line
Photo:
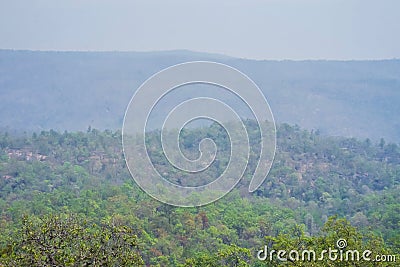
x=269 y=29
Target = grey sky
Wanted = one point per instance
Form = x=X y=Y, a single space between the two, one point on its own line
x=271 y=29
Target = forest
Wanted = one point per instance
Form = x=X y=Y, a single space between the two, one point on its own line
x=68 y=199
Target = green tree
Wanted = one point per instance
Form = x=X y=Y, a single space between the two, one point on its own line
x=70 y=241
x=338 y=236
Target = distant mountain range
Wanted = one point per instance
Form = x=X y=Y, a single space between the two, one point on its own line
x=72 y=90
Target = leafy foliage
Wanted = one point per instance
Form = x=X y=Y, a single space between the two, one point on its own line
x=46 y=176
x=70 y=241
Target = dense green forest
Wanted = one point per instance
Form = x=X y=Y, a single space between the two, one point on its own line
x=67 y=199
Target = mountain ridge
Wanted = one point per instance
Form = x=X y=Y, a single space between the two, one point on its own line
x=71 y=90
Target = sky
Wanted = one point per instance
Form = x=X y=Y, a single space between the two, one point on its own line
x=254 y=29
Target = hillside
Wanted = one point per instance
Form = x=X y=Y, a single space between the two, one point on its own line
x=83 y=174
x=72 y=90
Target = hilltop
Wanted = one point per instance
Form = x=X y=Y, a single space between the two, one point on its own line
x=72 y=90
